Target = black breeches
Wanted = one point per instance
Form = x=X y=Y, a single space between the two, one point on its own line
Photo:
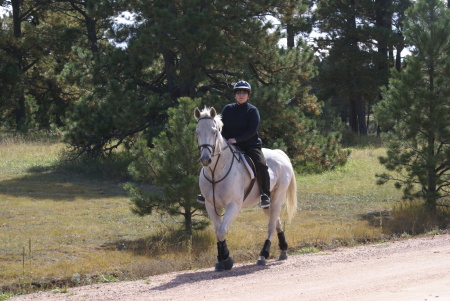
x=262 y=171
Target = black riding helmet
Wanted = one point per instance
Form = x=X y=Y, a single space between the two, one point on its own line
x=242 y=85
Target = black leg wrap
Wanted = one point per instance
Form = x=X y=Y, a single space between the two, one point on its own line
x=266 y=249
x=222 y=251
x=282 y=241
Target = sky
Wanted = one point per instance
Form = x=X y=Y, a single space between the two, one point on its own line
x=3 y=11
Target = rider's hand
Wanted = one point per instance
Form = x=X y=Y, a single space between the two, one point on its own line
x=232 y=141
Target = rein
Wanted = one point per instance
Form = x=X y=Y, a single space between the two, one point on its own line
x=214 y=182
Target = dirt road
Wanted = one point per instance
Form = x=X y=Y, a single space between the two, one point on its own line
x=413 y=269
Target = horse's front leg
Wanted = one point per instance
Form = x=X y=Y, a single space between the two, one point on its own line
x=221 y=225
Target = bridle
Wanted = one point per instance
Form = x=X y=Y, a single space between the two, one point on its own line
x=210 y=147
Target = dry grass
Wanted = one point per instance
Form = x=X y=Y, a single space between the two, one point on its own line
x=59 y=228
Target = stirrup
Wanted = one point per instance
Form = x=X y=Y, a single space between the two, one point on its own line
x=201 y=199
x=265 y=201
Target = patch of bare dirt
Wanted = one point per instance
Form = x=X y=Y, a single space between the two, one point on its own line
x=413 y=269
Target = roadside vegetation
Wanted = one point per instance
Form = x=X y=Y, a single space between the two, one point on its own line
x=68 y=224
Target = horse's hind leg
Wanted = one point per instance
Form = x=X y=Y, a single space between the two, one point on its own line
x=274 y=225
x=282 y=243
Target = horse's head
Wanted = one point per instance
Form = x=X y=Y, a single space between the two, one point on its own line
x=209 y=125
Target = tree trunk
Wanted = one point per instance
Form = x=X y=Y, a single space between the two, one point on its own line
x=188 y=222
x=391 y=56
x=352 y=85
x=290 y=36
x=20 y=110
x=188 y=71
x=431 y=195
x=361 y=113
x=16 y=18
x=169 y=69
x=383 y=23
x=91 y=26
x=398 y=57
x=353 y=120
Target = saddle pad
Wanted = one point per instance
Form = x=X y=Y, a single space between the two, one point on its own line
x=247 y=165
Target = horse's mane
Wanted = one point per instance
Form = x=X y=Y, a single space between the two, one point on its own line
x=218 y=118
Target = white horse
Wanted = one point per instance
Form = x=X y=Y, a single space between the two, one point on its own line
x=224 y=180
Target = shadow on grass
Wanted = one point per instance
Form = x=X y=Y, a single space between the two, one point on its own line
x=165 y=242
x=67 y=180
x=45 y=183
x=350 y=139
x=377 y=219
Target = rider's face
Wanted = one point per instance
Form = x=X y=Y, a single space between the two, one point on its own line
x=241 y=96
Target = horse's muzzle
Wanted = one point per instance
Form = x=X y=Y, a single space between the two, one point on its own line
x=206 y=160
x=206 y=151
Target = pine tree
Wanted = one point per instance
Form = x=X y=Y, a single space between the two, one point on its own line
x=348 y=62
x=173 y=165
x=417 y=107
x=359 y=40
x=193 y=49
x=22 y=44
x=37 y=37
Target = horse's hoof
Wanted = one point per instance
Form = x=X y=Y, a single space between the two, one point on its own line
x=228 y=264
x=283 y=255
x=261 y=261
x=224 y=265
x=219 y=267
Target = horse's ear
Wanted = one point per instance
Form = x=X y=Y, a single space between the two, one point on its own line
x=212 y=112
x=197 y=113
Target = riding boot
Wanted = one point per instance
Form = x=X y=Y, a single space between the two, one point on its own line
x=265 y=201
x=201 y=199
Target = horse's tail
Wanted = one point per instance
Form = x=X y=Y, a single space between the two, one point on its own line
x=291 y=198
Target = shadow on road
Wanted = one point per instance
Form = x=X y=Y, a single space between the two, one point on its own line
x=204 y=275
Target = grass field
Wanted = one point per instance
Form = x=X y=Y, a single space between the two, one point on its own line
x=59 y=228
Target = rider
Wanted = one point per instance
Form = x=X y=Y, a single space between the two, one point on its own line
x=240 y=126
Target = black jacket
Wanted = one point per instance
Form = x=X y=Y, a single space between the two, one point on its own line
x=241 y=122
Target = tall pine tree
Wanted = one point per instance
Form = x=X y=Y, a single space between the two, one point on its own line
x=417 y=108
x=358 y=38
x=22 y=45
